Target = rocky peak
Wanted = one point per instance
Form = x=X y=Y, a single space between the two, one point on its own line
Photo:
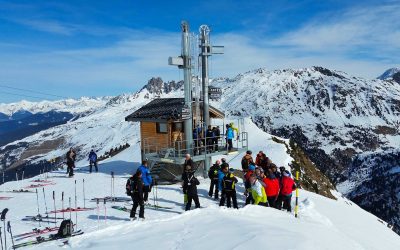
x=157 y=86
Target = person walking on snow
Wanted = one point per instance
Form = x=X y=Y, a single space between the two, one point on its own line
x=134 y=187
x=189 y=187
x=93 y=161
x=147 y=180
x=228 y=183
x=213 y=175
x=71 y=157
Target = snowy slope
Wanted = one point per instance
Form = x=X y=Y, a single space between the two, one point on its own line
x=322 y=224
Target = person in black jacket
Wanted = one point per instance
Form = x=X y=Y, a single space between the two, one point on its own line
x=71 y=157
x=213 y=175
x=217 y=136
x=188 y=161
x=189 y=186
x=210 y=139
x=228 y=188
x=135 y=188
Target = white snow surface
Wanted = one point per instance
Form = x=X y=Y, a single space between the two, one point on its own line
x=322 y=223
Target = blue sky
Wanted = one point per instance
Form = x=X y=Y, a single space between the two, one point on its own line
x=96 y=48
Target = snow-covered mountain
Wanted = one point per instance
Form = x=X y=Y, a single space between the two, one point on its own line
x=391 y=74
x=337 y=119
x=332 y=119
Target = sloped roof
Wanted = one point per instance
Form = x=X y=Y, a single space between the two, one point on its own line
x=163 y=109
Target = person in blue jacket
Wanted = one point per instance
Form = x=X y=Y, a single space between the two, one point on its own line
x=93 y=161
x=147 y=180
x=221 y=174
x=229 y=137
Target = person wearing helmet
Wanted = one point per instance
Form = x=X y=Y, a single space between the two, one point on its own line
x=213 y=175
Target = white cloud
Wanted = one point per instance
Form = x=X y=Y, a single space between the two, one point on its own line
x=363 y=42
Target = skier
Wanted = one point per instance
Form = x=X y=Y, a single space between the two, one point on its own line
x=272 y=187
x=134 y=187
x=229 y=137
x=71 y=157
x=93 y=161
x=258 y=192
x=188 y=161
x=232 y=126
x=189 y=187
x=285 y=195
x=228 y=182
x=196 y=140
x=213 y=175
x=147 y=180
x=247 y=160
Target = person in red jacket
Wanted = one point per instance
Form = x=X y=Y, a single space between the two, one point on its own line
x=285 y=195
x=272 y=188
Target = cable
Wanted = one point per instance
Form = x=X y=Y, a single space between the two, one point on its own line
x=32 y=91
x=8 y=93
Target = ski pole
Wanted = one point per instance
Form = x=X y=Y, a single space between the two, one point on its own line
x=45 y=202
x=16 y=177
x=45 y=205
x=3 y=218
x=76 y=207
x=112 y=174
x=1 y=240
x=98 y=213
x=55 y=209
x=84 y=202
x=37 y=201
x=22 y=182
x=296 y=208
x=62 y=204
x=70 y=209
x=9 y=230
x=105 y=212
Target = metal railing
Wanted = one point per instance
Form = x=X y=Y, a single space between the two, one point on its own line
x=202 y=146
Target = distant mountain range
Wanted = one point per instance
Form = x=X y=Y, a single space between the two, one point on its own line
x=348 y=126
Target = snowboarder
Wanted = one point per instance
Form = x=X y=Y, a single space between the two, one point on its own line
x=258 y=191
x=147 y=180
x=93 y=161
x=285 y=195
x=189 y=187
x=71 y=157
x=134 y=187
x=213 y=175
x=228 y=183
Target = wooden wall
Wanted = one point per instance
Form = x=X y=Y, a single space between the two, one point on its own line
x=149 y=130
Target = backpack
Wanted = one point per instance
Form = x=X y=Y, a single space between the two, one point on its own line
x=228 y=183
x=66 y=229
x=131 y=186
x=245 y=163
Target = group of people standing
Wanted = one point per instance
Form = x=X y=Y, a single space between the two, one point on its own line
x=264 y=184
x=209 y=138
x=71 y=158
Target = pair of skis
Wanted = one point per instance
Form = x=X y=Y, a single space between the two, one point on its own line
x=35 y=232
x=41 y=239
